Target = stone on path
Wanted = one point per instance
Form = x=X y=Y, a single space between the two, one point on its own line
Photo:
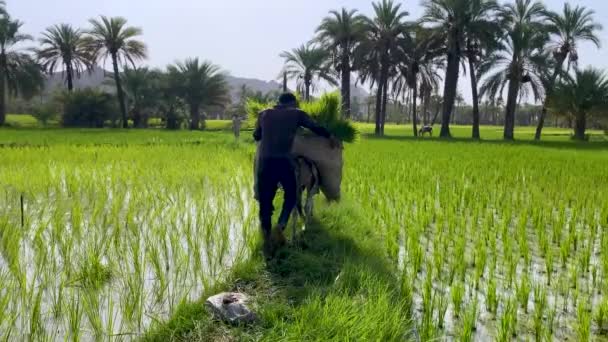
x=231 y=307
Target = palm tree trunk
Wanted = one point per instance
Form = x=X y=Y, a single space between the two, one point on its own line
x=425 y=106
x=3 y=68
x=472 y=69
x=449 y=92
x=378 y=109
x=195 y=116
x=69 y=75
x=580 y=127
x=543 y=113
x=307 y=84
x=346 y=109
x=384 y=105
x=2 y=103
x=512 y=96
x=119 y=93
x=285 y=81
x=414 y=116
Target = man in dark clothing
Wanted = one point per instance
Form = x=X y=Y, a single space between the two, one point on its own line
x=275 y=130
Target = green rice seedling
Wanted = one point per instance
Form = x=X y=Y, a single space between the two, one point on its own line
x=525 y=251
x=491 y=296
x=427 y=328
x=576 y=235
x=540 y=304
x=438 y=256
x=549 y=266
x=442 y=307
x=417 y=258
x=585 y=258
x=110 y=321
x=469 y=321
x=583 y=324
x=75 y=317
x=427 y=293
x=601 y=315
x=550 y=323
x=457 y=294
x=507 y=321
x=564 y=253
x=91 y=308
x=511 y=270
x=523 y=292
x=36 y=327
x=543 y=243
x=407 y=290
x=480 y=263
x=58 y=301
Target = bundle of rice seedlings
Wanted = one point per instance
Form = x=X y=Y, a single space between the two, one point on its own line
x=325 y=111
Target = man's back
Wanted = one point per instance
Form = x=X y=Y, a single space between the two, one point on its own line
x=277 y=127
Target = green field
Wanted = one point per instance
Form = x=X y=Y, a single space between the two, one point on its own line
x=115 y=235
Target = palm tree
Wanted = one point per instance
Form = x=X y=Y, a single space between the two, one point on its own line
x=379 y=50
x=573 y=26
x=482 y=34
x=307 y=63
x=19 y=72
x=462 y=24
x=522 y=62
x=340 y=32
x=419 y=68
x=111 y=37
x=199 y=85
x=142 y=88
x=63 y=45
x=170 y=105
x=580 y=96
x=448 y=17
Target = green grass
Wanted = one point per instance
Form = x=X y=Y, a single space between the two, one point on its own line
x=142 y=225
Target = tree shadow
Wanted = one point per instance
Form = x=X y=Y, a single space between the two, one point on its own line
x=563 y=144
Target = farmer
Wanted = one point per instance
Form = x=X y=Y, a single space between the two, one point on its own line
x=275 y=130
x=236 y=125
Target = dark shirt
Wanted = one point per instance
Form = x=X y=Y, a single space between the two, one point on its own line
x=276 y=129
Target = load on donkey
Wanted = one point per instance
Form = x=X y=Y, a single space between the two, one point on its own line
x=316 y=160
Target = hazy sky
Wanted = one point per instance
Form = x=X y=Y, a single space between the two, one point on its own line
x=244 y=37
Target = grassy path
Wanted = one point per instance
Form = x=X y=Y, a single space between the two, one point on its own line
x=335 y=284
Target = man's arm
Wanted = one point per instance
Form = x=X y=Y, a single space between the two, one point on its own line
x=257 y=133
x=307 y=122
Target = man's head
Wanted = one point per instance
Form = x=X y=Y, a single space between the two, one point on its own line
x=288 y=100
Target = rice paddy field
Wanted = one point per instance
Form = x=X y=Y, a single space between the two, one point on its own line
x=118 y=235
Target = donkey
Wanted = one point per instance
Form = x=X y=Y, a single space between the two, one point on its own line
x=426 y=129
x=307 y=180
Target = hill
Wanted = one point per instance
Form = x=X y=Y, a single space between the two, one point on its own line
x=99 y=77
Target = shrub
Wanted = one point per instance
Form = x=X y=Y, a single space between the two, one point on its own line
x=87 y=108
x=46 y=112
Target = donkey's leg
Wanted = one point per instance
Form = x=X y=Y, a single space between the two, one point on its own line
x=294 y=218
x=309 y=205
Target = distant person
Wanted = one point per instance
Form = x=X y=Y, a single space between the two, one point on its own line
x=236 y=125
x=275 y=130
